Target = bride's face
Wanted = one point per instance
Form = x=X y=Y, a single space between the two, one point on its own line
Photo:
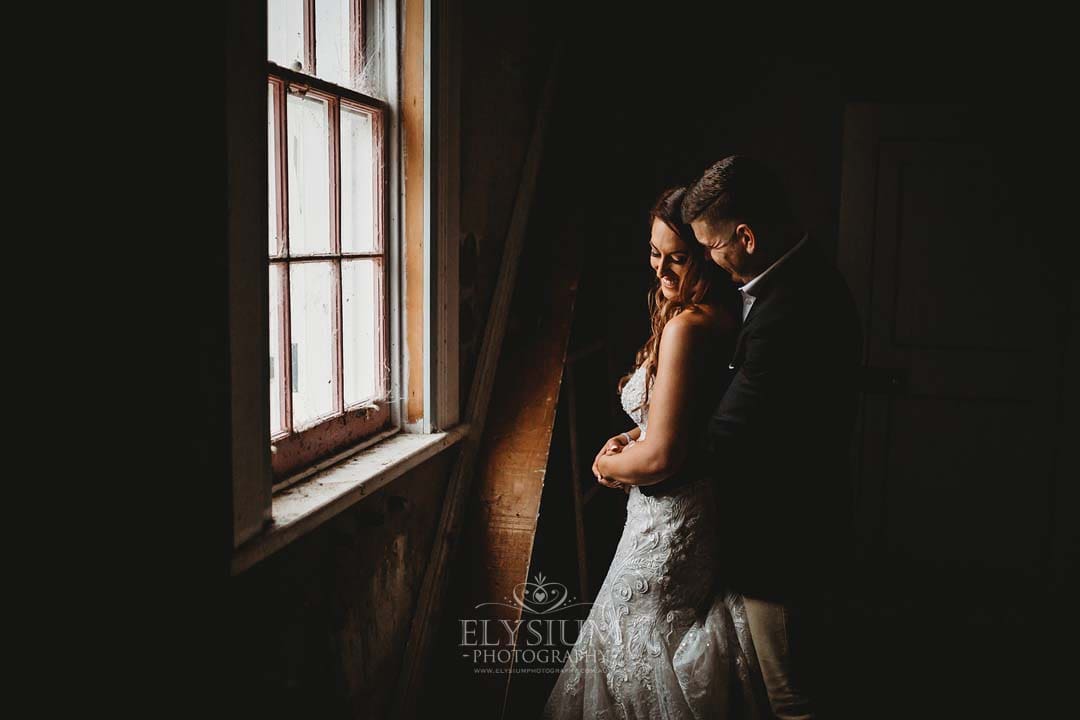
x=668 y=256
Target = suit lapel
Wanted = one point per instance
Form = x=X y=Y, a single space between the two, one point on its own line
x=771 y=284
x=736 y=358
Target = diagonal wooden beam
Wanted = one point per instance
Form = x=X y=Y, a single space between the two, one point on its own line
x=513 y=465
x=432 y=593
x=575 y=475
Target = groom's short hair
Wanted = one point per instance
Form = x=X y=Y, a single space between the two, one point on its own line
x=737 y=188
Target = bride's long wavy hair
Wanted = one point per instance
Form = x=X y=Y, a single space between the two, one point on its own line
x=699 y=284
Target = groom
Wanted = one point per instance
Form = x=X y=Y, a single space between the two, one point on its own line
x=777 y=441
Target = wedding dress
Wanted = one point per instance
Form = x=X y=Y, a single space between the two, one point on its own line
x=663 y=639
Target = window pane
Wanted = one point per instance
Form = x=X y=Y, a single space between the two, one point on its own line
x=358 y=220
x=285 y=33
x=309 y=175
x=361 y=308
x=277 y=378
x=332 y=38
x=372 y=79
x=313 y=342
x=271 y=135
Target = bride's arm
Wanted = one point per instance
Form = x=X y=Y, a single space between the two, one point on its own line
x=664 y=449
x=615 y=444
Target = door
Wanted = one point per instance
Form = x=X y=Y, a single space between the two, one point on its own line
x=957 y=440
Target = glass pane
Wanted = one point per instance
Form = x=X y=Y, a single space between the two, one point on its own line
x=313 y=342
x=285 y=33
x=332 y=37
x=358 y=220
x=309 y=175
x=372 y=79
x=277 y=379
x=271 y=136
x=361 y=310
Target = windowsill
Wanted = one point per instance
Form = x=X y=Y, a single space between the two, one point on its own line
x=307 y=504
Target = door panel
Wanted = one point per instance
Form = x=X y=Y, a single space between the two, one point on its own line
x=955 y=463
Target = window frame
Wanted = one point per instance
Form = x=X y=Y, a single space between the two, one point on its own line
x=294 y=451
x=266 y=517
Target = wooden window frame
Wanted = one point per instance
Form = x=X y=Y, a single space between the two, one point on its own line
x=357 y=26
x=421 y=88
x=294 y=450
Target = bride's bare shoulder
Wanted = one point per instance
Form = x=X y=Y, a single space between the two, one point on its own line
x=693 y=330
x=703 y=319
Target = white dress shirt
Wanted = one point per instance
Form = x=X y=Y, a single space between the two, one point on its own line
x=747 y=290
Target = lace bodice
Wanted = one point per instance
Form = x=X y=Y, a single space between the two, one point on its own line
x=633 y=399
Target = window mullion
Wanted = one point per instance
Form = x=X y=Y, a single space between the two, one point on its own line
x=334 y=141
x=309 y=37
x=337 y=378
x=356 y=40
x=381 y=205
x=286 y=279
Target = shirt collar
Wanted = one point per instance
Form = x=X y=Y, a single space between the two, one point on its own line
x=748 y=288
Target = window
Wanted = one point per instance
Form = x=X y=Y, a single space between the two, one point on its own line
x=342 y=195
x=327 y=259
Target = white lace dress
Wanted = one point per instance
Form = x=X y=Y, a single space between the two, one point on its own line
x=662 y=639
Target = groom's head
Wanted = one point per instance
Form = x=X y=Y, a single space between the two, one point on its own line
x=739 y=211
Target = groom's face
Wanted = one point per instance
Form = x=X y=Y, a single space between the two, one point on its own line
x=729 y=245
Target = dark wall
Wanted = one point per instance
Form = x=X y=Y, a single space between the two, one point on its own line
x=319 y=629
x=663 y=95
x=506 y=51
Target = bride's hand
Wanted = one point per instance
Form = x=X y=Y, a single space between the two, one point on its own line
x=613 y=445
x=615 y=484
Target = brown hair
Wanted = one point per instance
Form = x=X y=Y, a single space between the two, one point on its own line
x=697 y=287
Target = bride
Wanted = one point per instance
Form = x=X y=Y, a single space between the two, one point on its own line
x=663 y=639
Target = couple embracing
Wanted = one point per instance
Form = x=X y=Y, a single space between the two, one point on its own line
x=736 y=470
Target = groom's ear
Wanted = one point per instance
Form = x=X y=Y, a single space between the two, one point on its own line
x=745 y=235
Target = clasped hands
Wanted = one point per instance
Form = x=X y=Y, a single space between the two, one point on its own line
x=613 y=446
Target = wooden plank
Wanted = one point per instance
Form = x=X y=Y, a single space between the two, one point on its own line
x=575 y=476
x=412 y=133
x=513 y=456
x=447 y=201
x=430 y=599
x=248 y=228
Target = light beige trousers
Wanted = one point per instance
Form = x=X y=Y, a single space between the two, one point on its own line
x=781 y=638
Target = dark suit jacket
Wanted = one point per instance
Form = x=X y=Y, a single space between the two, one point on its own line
x=777 y=443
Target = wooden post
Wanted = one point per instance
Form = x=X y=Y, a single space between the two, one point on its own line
x=430 y=600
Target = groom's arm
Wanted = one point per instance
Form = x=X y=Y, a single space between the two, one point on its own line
x=795 y=382
x=769 y=371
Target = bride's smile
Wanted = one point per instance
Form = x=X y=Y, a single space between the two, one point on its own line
x=668 y=254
